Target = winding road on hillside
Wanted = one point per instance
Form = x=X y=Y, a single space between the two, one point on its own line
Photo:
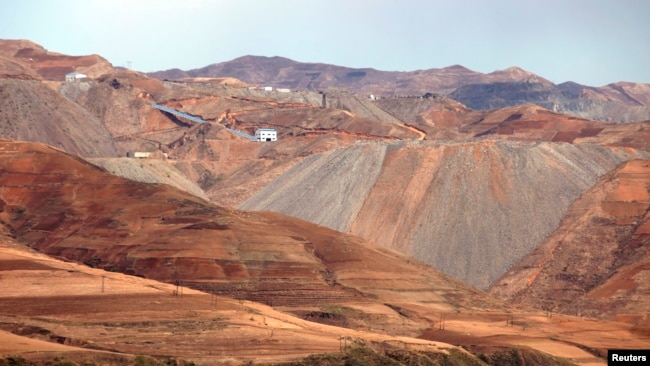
x=416 y=130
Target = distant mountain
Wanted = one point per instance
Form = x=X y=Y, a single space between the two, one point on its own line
x=27 y=57
x=285 y=73
x=619 y=102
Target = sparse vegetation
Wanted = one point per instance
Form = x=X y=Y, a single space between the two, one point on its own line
x=523 y=357
x=15 y=361
x=360 y=354
x=209 y=179
x=363 y=355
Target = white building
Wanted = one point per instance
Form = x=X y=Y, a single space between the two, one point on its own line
x=138 y=154
x=74 y=76
x=266 y=134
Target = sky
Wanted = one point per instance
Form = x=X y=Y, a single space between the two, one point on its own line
x=592 y=42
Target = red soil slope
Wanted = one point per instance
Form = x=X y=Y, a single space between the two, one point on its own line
x=63 y=206
x=528 y=123
x=70 y=209
x=50 y=65
x=597 y=262
x=54 y=310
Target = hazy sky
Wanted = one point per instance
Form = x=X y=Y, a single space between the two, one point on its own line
x=593 y=42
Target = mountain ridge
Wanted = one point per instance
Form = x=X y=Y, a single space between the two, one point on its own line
x=475 y=89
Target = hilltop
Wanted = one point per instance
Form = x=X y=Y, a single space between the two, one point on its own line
x=617 y=102
x=28 y=59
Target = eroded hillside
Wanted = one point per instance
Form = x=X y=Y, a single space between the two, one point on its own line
x=71 y=209
x=596 y=262
x=65 y=207
x=441 y=118
x=28 y=58
x=54 y=310
x=471 y=209
x=31 y=111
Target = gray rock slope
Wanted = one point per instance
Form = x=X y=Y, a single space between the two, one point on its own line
x=149 y=171
x=471 y=209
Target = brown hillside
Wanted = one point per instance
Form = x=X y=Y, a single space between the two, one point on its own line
x=54 y=310
x=527 y=123
x=165 y=234
x=63 y=206
x=471 y=209
x=250 y=113
x=619 y=102
x=596 y=262
x=285 y=73
x=122 y=101
x=29 y=110
x=49 y=65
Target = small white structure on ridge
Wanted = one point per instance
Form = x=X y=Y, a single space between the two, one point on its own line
x=138 y=154
x=266 y=134
x=74 y=76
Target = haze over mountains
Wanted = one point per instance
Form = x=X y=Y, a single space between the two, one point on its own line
x=619 y=102
x=545 y=211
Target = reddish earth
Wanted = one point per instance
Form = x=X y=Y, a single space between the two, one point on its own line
x=528 y=123
x=347 y=161
x=59 y=205
x=596 y=262
x=46 y=305
x=68 y=208
x=48 y=65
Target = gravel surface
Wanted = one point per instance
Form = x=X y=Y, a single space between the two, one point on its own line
x=150 y=171
x=470 y=209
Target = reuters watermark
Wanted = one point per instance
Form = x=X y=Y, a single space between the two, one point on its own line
x=628 y=357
